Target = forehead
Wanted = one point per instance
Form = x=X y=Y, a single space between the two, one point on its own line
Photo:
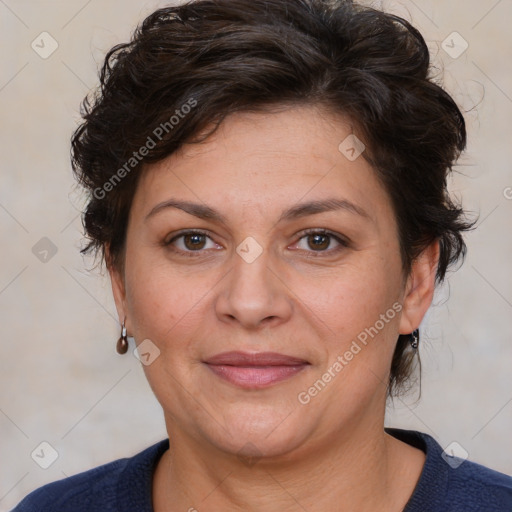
x=259 y=162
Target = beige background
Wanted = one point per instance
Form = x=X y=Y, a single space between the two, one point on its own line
x=62 y=381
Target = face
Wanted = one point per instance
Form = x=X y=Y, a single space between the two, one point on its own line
x=263 y=269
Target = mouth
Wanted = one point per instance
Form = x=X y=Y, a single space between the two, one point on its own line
x=255 y=370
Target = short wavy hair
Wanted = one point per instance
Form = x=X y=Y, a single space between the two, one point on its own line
x=190 y=66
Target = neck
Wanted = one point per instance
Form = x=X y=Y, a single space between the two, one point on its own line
x=363 y=470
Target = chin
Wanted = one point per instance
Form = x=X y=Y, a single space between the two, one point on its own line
x=256 y=433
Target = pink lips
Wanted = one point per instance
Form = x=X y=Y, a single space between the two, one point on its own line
x=257 y=370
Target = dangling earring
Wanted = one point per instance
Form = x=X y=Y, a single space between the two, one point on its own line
x=414 y=338
x=122 y=342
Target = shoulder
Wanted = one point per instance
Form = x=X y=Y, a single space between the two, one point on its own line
x=479 y=485
x=453 y=484
x=77 y=492
x=100 y=488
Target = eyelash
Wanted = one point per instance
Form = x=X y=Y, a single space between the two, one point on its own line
x=344 y=243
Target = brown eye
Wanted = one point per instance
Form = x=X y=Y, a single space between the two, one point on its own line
x=194 y=241
x=191 y=243
x=318 y=241
x=321 y=241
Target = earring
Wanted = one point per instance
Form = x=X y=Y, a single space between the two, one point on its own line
x=122 y=342
x=414 y=338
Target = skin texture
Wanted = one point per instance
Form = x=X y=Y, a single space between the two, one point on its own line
x=262 y=449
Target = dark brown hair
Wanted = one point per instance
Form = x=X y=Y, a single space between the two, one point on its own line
x=189 y=66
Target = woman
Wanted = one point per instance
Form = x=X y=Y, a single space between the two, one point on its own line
x=267 y=185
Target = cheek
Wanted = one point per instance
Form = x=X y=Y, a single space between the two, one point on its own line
x=352 y=298
x=165 y=305
x=360 y=312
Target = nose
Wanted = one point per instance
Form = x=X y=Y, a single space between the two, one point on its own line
x=253 y=294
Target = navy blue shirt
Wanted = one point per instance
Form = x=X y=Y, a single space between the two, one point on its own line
x=125 y=485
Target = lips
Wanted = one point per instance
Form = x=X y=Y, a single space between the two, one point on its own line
x=255 y=370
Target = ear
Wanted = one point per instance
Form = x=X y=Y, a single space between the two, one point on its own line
x=419 y=289
x=118 y=287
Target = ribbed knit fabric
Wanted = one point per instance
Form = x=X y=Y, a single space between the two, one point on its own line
x=125 y=484
x=469 y=487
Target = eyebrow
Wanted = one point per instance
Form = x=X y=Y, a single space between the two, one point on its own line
x=295 y=212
